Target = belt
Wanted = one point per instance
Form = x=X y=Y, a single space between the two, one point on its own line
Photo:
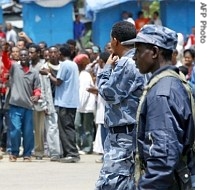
x=122 y=129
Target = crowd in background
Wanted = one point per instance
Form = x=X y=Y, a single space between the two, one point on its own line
x=60 y=113
x=40 y=108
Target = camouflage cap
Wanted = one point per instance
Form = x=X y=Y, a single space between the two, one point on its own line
x=158 y=35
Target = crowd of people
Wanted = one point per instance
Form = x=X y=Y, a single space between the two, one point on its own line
x=141 y=20
x=63 y=101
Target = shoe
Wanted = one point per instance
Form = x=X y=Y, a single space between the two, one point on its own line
x=100 y=160
x=38 y=157
x=55 y=159
x=21 y=152
x=12 y=158
x=8 y=152
x=70 y=159
x=81 y=152
x=1 y=155
x=2 y=149
x=27 y=159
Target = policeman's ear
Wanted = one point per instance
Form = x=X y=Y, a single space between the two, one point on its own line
x=156 y=51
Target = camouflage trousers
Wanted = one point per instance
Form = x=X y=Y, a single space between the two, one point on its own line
x=117 y=172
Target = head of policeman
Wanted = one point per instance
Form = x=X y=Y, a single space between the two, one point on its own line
x=154 y=47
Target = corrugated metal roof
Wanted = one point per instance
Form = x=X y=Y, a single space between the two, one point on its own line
x=2 y=2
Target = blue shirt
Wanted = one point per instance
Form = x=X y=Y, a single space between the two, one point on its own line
x=79 y=30
x=192 y=81
x=67 y=94
x=121 y=89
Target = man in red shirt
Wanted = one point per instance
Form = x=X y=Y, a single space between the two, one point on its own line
x=141 y=21
x=2 y=33
x=4 y=75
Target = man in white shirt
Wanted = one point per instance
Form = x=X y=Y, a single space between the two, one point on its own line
x=11 y=34
x=156 y=20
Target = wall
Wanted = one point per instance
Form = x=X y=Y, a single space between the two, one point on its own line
x=1 y=16
x=53 y=25
x=101 y=27
x=179 y=16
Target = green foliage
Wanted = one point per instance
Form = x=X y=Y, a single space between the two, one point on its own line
x=154 y=6
x=80 y=3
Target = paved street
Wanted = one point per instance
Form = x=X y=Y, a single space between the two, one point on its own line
x=46 y=175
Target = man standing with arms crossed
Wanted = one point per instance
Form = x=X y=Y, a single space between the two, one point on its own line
x=66 y=102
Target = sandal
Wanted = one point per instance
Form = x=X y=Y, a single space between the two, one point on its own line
x=1 y=156
x=12 y=158
x=27 y=159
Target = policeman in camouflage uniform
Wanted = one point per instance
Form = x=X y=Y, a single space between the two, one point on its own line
x=166 y=130
x=120 y=84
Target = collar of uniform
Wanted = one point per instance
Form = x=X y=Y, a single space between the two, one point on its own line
x=163 y=68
